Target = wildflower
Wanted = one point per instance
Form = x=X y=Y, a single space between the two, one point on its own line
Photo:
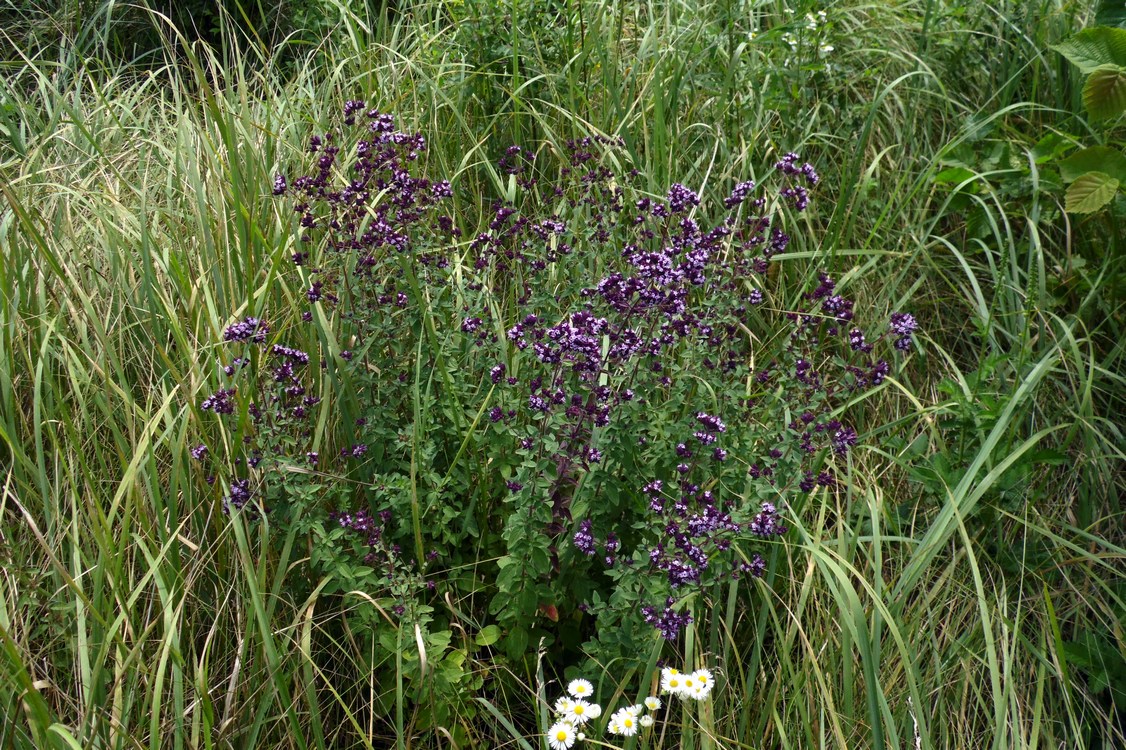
x=580 y=688
x=561 y=736
x=249 y=329
x=563 y=705
x=646 y=721
x=623 y=722
x=672 y=681
x=579 y=713
x=705 y=681
x=583 y=539
x=652 y=703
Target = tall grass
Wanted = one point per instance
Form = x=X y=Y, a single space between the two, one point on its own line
x=931 y=606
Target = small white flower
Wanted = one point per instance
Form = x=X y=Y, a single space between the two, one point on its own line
x=579 y=713
x=561 y=736
x=623 y=723
x=593 y=710
x=580 y=736
x=563 y=705
x=580 y=688
x=672 y=682
x=635 y=710
x=652 y=703
x=688 y=686
x=646 y=721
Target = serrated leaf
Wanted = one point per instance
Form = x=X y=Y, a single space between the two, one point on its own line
x=1111 y=13
x=1092 y=47
x=1094 y=159
x=1090 y=192
x=1104 y=94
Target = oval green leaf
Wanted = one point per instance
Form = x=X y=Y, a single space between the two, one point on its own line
x=1090 y=192
x=1104 y=94
x=1094 y=159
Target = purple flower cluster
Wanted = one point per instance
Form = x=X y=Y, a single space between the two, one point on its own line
x=220 y=402
x=239 y=496
x=767 y=523
x=666 y=620
x=903 y=326
x=249 y=329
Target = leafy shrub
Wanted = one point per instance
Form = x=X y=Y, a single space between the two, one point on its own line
x=598 y=390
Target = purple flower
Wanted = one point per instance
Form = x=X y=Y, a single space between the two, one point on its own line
x=249 y=329
x=583 y=539
x=220 y=402
x=280 y=185
x=199 y=451
x=239 y=495
x=681 y=199
x=843 y=439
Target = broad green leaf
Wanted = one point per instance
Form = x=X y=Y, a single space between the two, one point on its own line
x=1094 y=159
x=488 y=635
x=1049 y=147
x=1090 y=192
x=954 y=175
x=1092 y=47
x=1111 y=13
x=1104 y=94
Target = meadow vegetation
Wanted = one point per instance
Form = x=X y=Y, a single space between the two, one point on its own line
x=406 y=374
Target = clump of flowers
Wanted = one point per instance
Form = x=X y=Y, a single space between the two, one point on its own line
x=572 y=712
x=695 y=685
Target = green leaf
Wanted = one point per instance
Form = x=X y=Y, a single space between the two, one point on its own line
x=954 y=175
x=1111 y=13
x=488 y=635
x=1094 y=159
x=1092 y=47
x=1050 y=147
x=1090 y=192
x=1104 y=94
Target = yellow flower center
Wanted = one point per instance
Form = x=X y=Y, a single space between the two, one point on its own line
x=579 y=710
x=627 y=722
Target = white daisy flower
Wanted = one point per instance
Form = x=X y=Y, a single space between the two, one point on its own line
x=613 y=727
x=593 y=710
x=672 y=682
x=579 y=713
x=563 y=705
x=635 y=710
x=652 y=703
x=561 y=736
x=705 y=681
x=688 y=686
x=646 y=721
x=580 y=688
x=627 y=725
